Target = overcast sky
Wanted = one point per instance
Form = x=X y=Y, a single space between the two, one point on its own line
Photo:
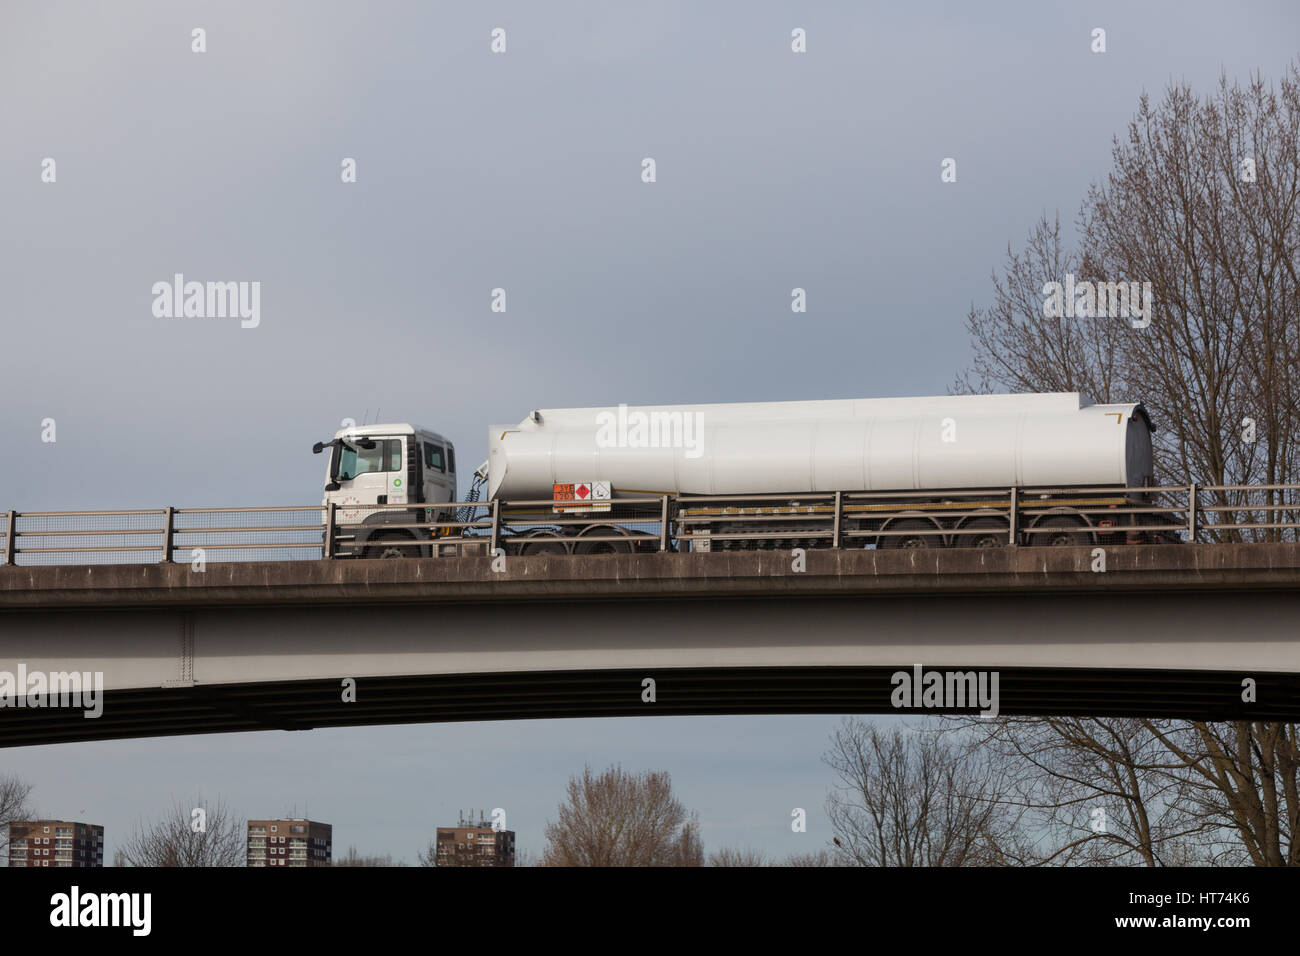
x=520 y=171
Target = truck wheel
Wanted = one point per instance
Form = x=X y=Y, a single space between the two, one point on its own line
x=983 y=533
x=1064 y=533
x=390 y=546
x=603 y=547
x=545 y=542
x=910 y=541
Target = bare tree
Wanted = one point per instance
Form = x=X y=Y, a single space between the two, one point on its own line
x=428 y=856
x=174 y=840
x=749 y=857
x=1017 y=349
x=14 y=795
x=1130 y=791
x=1241 y=779
x=525 y=858
x=1098 y=791
x=817 y=858
x=622 y=819
x=1203 y=202
x=729 y=856
x=917 y=798
x=353 y=858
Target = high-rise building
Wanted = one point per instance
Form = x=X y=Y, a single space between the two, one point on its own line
x=296 y=842
x=55 y=843
x=471 y=843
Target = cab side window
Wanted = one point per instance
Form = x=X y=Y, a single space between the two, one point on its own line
x=383 y=455
x=451 y=459
x=433 y=457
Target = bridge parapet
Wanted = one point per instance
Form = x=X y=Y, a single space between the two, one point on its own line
x=1254 y=566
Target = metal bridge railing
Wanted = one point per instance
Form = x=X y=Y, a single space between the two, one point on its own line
x=1185 y=513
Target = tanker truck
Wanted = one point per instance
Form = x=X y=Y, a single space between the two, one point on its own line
x=877 y=472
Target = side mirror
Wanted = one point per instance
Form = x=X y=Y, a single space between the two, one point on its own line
x=333 y=486
x=317 y=448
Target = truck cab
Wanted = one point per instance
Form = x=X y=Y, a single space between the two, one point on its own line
x=372 y=465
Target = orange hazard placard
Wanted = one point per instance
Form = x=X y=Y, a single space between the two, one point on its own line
x=562 y=492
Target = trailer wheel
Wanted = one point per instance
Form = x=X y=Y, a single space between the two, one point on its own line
x=391 y=546
x=1064 y=532
x=983 y=533
x=910 y=541
x=544 y=542
x=602 y=547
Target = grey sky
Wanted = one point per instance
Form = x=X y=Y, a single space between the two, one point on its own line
x=519 y=171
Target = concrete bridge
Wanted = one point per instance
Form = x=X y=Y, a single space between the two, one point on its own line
x=1163 y=631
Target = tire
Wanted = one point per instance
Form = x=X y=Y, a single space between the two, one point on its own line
x=544 y=542
x=909 y=542
x=1066 y=533
x=603 y=547
x=984 y=533
x=391 y=546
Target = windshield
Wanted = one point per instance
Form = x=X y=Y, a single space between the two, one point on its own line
x=386 y=455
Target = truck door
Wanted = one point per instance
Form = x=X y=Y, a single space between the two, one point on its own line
x=397 y=479
x=436 y=485
x=369 y=476
x=451 y=472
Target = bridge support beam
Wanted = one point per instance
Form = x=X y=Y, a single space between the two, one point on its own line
x=260 y=667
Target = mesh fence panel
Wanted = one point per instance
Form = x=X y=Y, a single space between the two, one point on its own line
x=297 y=533
x=107 y=538
x=289 y=534
x=137 y=537
x=1273 y=512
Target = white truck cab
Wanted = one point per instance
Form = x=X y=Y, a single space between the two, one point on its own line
x=387 y=465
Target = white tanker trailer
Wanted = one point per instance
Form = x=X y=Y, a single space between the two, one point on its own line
x=908 y=467
x=872 y=444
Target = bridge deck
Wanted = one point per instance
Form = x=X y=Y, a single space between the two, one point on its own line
x=601 y=577
x=1164 y=631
